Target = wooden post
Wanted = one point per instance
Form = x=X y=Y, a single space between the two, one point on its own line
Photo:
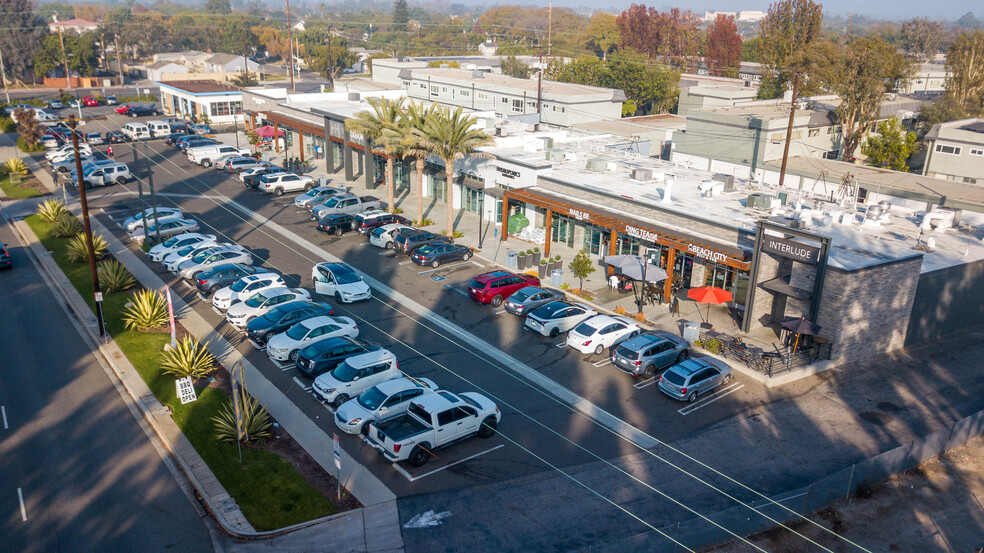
x=668 y=285
x=612 y=249
x=300 y=137
x=276 y=136
x=546 y=247
x=505 y=217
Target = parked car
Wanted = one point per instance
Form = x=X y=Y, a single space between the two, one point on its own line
x=9 y=110
x=67 y=164
x=51 y=140
x=195 y=142
x=190 y=269
x=287 y=345
x=182 y=141
x=66 y=150
x=436 y=254
x=221 y=276
x=200 y=129
x=75 y=103
x=116 y=137
x=557 y=317
x=336 y=223
x=432 y=421
x=105 y=175
x=341 y=281
x=89 y=102
x=206 y=155
x=494 y=287
x=219 y=163
x=349 y=204
x=171 y=138
x=385 y=236
x=176 y=243
x=649 y=352
x=245 y=287
x=254 y=179
x=367 y=221
x=142 y=111
x=122 y=109
x=277 y=320
x=240 y=314
x=381 y=402
x=321 y=357
x=94 y=138
x=173 y=260
x=167 y=229
x=279 y=183
x=111 y=100
x=695 y=376
x=55 y=104
x=526 y=300
x=5 y=262
x=356 y=375
x=240 y=164
x=316 y=194
x=601 y=332
x=407 y=242
x=134 y=222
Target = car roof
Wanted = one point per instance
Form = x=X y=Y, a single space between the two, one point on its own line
x=318 y=321
x=389 y=387
x=690 y=366
x=492 y=275
x=370 y=357
x=603 y=319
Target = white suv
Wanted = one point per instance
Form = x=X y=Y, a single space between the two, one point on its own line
x=205 y=155
x=278 y=183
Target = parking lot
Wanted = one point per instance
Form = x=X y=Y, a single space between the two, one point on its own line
x=574 y=427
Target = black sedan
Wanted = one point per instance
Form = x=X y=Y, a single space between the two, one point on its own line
x=337 y=224
x=141 y=111
x=321 y=357
x=435 y=254
x=253 y=180
x=282 y=317
x=222 y=276
x=174 y=136
x=116 y=137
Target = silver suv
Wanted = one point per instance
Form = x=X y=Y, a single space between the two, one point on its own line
x=649 y=352
x=114 y=173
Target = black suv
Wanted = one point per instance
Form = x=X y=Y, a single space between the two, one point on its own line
x=336 y=223
x=321 y=357
x=367 y=222
x=282 y=317
x=222 y=276
x=141 y=111
x=405 y=243
x=253 y=181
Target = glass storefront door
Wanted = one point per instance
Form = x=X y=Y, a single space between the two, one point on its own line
x=562 y=230
x=474 y=200
x=596 y=239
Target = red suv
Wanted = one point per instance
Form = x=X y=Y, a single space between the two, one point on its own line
x=492 y=288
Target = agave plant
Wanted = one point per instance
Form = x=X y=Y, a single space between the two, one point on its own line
x=15 y=165
x=188 y=358
x=147 y=309
x=51 y=211
x=255 y=421
x=77 y=252
x=67 y=227
x=114 y=276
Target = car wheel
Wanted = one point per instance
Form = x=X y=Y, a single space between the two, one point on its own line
x=389 y=245
x=278 y=192
x=466 y=257
x=338 y=231
x=338 y=297
x=133 y=115
x=293 y=355
x=120 y=180
x=340 y=399
x=692 y=397
x=487 y=429
x=206 y=163
x=364 y=429
x=497 y=301
x=213 y=290
x=726 y=379
x=649 y=372
x=417 y=456
x=554 y=332
x=683 y=356
x=308 y=186
x=87 y=185
x=435 y=263
x=600 y=348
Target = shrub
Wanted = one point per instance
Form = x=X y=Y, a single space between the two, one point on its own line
x=640 y=317
x=454 y=233
x=27 y=148
x=51 y=211
x=425 y=222
x=536 y=250
x=7 y=125
x=188 y=358
x=147 y=309
x=67 y=227
x=114 y=276
x=255 y=421
x=397 y=210
x=78 y=252
x=15 y=165
x=619 y=310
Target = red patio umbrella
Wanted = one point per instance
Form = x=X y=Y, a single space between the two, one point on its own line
x=709 y=295
x=266 y=131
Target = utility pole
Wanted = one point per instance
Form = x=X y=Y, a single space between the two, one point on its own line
x=61 y=40
x=73 y=124
x=245 y=59
x=539 y=94
x=850 y=20
x=3 y=77
x=789 y=131
x=290 y=51
x=549 y=28
x=153 y=197
x=331 y=66
x=119 y=60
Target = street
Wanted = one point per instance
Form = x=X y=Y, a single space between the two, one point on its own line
x=77 y=472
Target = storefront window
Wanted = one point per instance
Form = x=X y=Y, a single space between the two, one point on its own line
x=438 y=188
x=562 y=230
x=596 y=239
x=474 y=200
x=627 y=245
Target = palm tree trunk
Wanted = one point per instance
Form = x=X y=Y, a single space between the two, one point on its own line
x=449 y=194
x=390 y=182
x=420 y=189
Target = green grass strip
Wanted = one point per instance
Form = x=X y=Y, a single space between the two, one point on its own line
x=17 y=192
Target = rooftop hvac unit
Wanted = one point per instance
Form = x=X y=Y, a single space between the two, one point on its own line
x=354 y=96
x=642 y=174
x=477 y=74
x=597 y=165
x=758 y=200
x=554 y=155
x=548 y=142
x=951 y=214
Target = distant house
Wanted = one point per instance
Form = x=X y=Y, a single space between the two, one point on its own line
x=299 y=26
x=77 y=26
x=221 y=102
x=955 y=151
x=229 y=63
x=487 y=48
x=157 y=70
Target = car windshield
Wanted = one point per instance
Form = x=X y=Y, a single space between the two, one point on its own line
x=627 y=353
x=186 y=250
x=200 y=256
x=344 y=275
x=426 y=249
x=332 y=202
x=584 y=329
x=521 y=295
x=256 y=301
x=297 y=332
x=372 y=398
x=171 y=241
x=674 y=378
x=240 y=284
x=378 y=232
x=344 y=372
x=548 y=311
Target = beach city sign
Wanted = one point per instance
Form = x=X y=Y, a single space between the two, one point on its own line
x=791 y=249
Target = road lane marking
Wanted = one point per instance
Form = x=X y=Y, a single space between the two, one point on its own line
x=499 y=312
x=20 y=497
x=644 y=383
x=710 y=399
x=411 y=478
x=3 y=410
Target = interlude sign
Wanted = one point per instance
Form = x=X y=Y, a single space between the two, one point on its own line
x=791 y=249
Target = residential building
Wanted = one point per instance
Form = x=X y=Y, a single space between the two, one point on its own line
x=220 y=102
x=164 y=70
x=713 y=96
x=927 y=78
x=77 y=26
x=229 y=63
x=955 y=151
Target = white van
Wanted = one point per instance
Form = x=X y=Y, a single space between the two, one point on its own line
x=158 y=129
x=136 y=131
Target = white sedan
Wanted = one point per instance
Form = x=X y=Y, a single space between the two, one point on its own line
x=172 y=245
x=382 y=401
x=168 y=228
x=316 y=194
x=557 y=317
x=285 y=345
x=134 y=222
x=189 y=269
x=600 y=332
x=341 y=281
x=244 y=288
x=384 y=236
x=258 y=304
x=173 y=260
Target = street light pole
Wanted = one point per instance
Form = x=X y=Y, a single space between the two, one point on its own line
x=73 y=124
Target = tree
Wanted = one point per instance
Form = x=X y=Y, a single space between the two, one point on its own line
x=254 y=139
x=723 y=50
x=515 y=68
x=602 y=34
x=922 y=38
x=218 y=6
x=450 y=136
x=19 y=46
x=787 y=31
x=582 y=266
x=245 y=79
x=28 y=126
x=411 y=127
x=79 y=50
x=944 y=109
x=891 y=147
x=860 y=74
x=750 y=50
x=400 y=16
x=371 y=125
x=969 y=20
x=673 y=35
x=965 y=64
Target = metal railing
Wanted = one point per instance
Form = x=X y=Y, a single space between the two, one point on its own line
x=768 y=362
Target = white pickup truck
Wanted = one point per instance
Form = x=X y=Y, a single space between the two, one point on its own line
x=205 y=155
x=345 y=204
x=433 y=421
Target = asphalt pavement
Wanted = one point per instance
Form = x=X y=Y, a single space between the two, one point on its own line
x=77 y=471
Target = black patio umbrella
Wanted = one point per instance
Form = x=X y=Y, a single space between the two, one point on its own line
x=799 y=326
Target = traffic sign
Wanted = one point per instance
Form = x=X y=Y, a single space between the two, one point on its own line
x=338 y=452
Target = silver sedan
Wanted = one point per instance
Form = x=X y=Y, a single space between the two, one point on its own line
x=528 y=299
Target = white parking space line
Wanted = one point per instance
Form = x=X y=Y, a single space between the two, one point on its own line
x=444 y=268
x=3 y=410
x=499 y=312
x=602 y=363
x=305 y=387
x=562 y=345
x=20 y=497
x=644 y=383
x=405 y=262
x=186 y=284
x=411 y=478
x=710 y=399
x=456 y=290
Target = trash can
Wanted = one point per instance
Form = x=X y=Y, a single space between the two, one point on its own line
x=691 y=332
x=557 y=278
x=512 y=259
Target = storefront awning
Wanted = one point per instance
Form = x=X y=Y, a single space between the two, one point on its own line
x=781 y=286
x=467 y=182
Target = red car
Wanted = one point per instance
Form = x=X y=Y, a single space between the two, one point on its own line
x=492 y=288
x=89 y=101
x=122 y=109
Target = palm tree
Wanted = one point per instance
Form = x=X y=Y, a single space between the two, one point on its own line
x=371 y=124
x=449 y=135
x=410 y=130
